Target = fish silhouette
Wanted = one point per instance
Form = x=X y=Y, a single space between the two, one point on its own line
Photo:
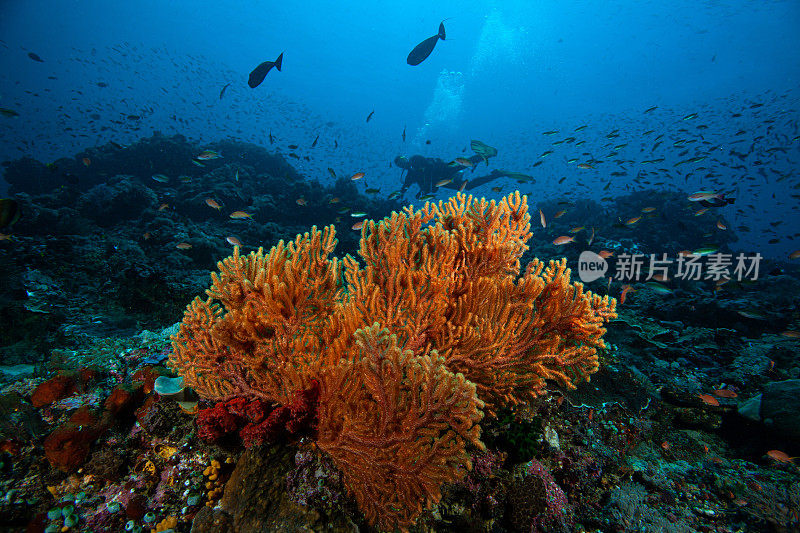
x=424 y=49
x=260 y=72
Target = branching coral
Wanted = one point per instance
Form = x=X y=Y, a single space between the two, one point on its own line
x=396 y=425
x=266 y=321
x=453 y=287
x=409 y=348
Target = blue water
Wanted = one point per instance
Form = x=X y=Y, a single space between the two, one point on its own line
x=507 y=72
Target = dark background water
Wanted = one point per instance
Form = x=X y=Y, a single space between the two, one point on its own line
x=507 y=72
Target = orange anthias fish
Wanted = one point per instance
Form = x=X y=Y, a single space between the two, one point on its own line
x=708 y=399
x=585 y=166
x=357 y=176
x=791 y=333
x=233 y=241
x=358 y=225
x=795 y=255
x=719 y=283
x=236 y=215
x=86 y=161
x=632 y=221
x=559 y=214
x=542 y=219
x=183 y=246
x=210 y=202
x=624 y=294
x=721 y=226
x=564 y=239
x=725 y=393
x=463 y=161
x=301 y=201
x=589 y=242
x=605 y=254
x=780 y=456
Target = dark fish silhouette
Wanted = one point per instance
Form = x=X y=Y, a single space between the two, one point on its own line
x=222 y=92
x=315 y=142
x=717 y=202
x=35 y=57
x=9 y=212
x=260 y=72
x=370 y=115
x=424 y=49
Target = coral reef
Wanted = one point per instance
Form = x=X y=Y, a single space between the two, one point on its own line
x=410 y=350
x=686 y=425
x=537 y=502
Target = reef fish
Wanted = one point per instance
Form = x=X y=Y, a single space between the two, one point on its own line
x=421 y=52
x=9 y=212
x=780 y=456
x=207 y=155
x=222 y=92
x=483 y=150
x=260 y=72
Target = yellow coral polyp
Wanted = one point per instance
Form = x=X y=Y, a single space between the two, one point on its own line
x=165 y=452
x=434 y=327
x=169 y=522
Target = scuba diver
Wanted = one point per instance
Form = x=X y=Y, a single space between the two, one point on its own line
x=431 y=173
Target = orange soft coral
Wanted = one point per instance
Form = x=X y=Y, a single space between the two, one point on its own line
x=397 y=426
x=435 y=327
x=265 y=322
